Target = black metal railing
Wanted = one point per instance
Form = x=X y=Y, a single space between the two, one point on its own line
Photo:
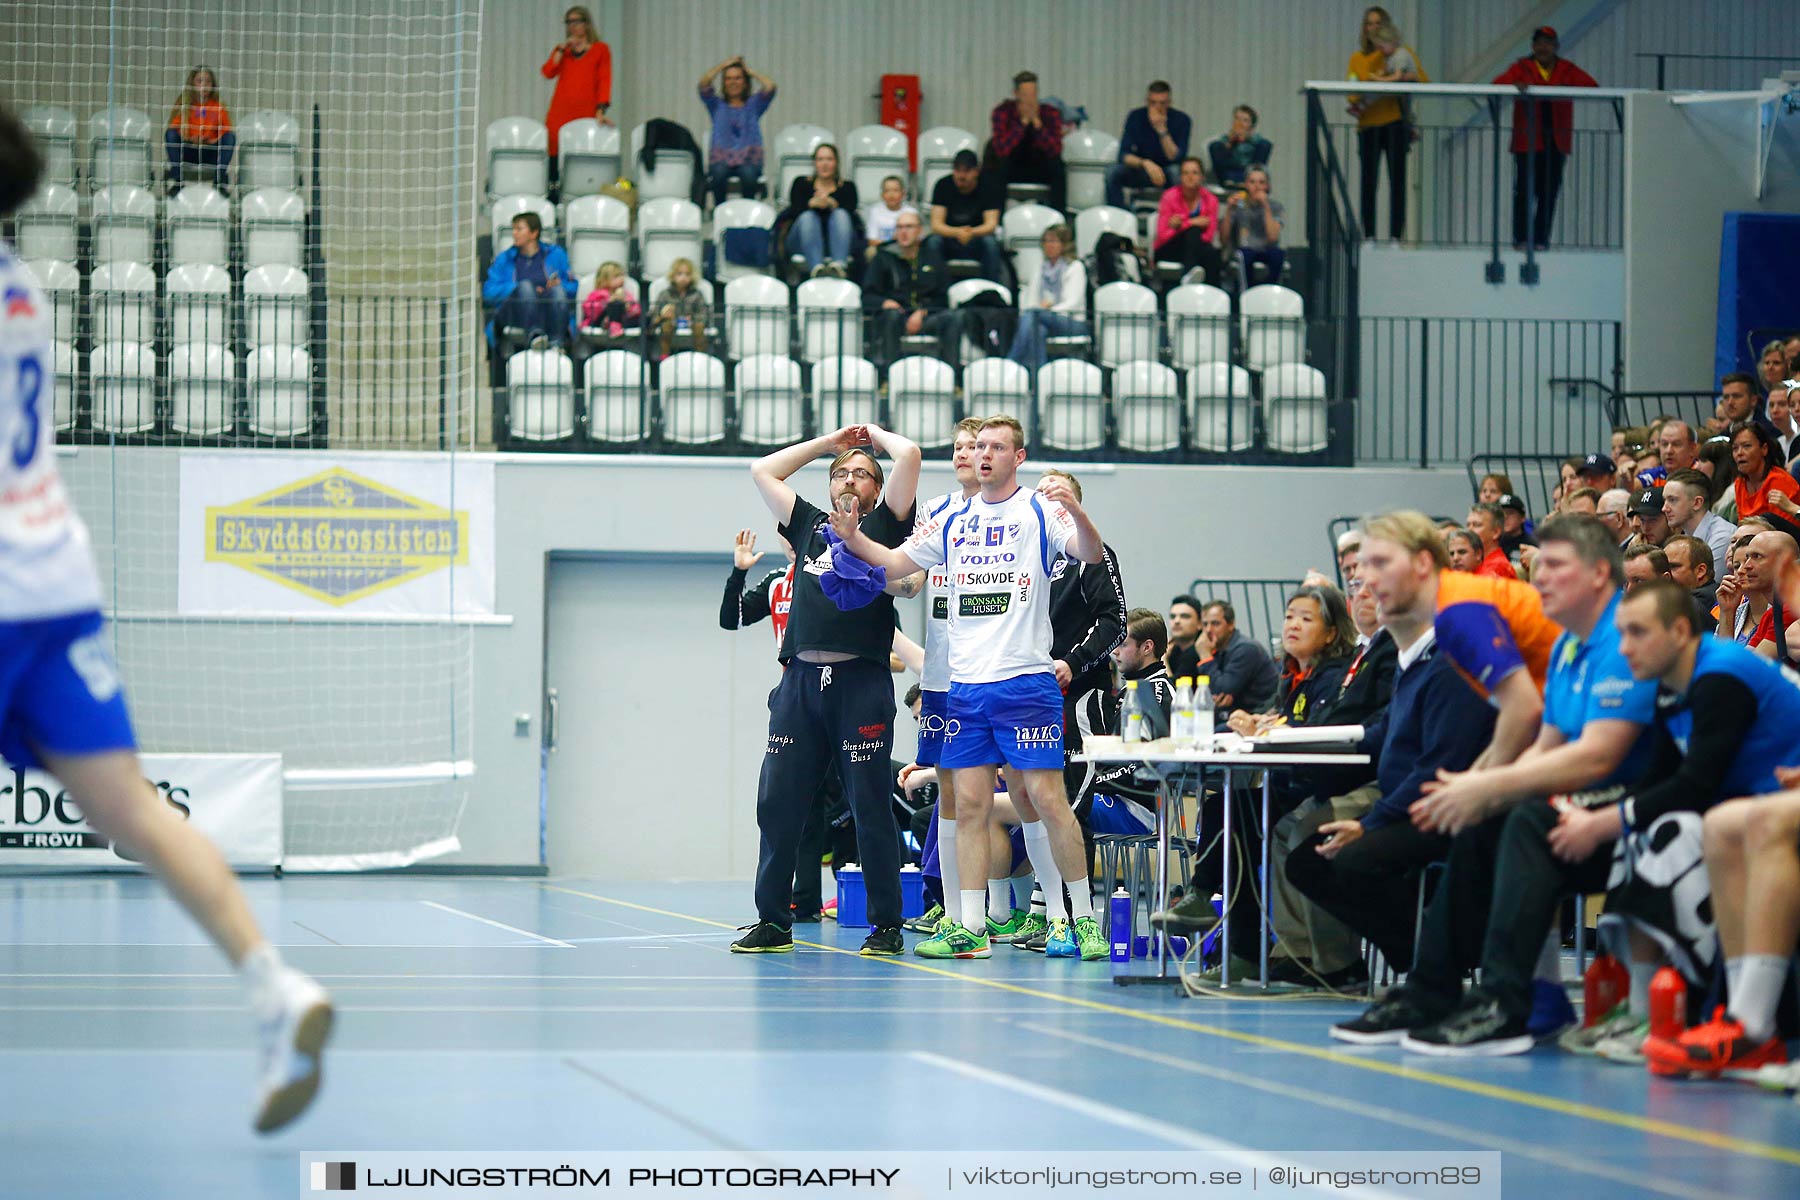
x=1681 y=72
x=1535 y=477
x=1259 y=604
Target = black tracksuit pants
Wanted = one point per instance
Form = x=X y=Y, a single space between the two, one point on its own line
x=1372 y=885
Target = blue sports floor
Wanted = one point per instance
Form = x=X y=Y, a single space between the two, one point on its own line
x=522 y=1014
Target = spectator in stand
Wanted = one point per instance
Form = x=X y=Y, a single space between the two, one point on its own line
x=1543 y=132
x=530 y=287
x=1581 y=500
x=1252 y=223
x=878 y=227
x=1614 y=512
x=1737 y=402
x=1493 y=486
x=1486 y=522
x=1155 y=138
x=1464 y=549
x=1238 y=149
x=1515 y=528
x=1565 y=480
x=1792 y=347
x=1644 y=563
x=1715 y=463
x=823 y=205
x=1744 y=595
x=1765 y=559
x=1187 y=225
x=1381 y=127
x=581 y=64
x=682 y=309
x=1241 y=673
x=903 y=293
x=1679 y=447
x=1691 y=565
x=1772 y=365
x=737 y=141
x=1053 y=302
x=965 y=212
x=1648 y=524
x=609 y=304
x=1183 y=653
x=1027 y=141
x=1685 y=497
x=1762 y=483
x=1598 y=472
x=1779 y=409
x=1349 y=543
x=199 y=131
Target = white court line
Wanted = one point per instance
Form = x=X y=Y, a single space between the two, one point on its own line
x=1123 y=1119
x=538 y=937
x=540 y=1010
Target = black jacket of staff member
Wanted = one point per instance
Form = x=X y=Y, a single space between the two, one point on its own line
x=1087 y=618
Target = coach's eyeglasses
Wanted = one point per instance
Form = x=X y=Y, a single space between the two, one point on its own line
x=862 y=474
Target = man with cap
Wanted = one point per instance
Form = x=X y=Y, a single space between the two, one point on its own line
x=1515 y=529
x=1685 y=496
x=1648 y=524
x=1543 y=131
x=1598 y=472
x=965 y=216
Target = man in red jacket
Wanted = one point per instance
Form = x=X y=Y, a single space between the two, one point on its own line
x=1541 y=134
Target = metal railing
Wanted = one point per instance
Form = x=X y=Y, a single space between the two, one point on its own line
x=1711 y=72
x=1260 y=605
x=1535 y=477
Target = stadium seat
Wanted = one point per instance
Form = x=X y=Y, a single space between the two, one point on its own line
x=588 y=157
x=615 y=382
x=274 y=221
x=123 y=376
x=738 y=214
x=998 y=385
x=1220 y=416
x=771 y=408
x=844 y=392
x=507 y=207
x=937 y=148
x=268 y=153
x=1199 y=325
x=922 y=400
x=276 y=302
x=794 y=147
x=122 y=303
x=756 y=316
x=1022 y=229
x=691 y=386
x=61 y=285
x=199 y=300
x=1071 y=405
x=540 y=396
x=199 y=226
x=668 y=229
x=119 y=148
x=518 y=157
x=1093 y=221
x=1125 y=324
x=54 y=130
x=124 y=221
x=1147 y=407
x=1274 y=326
x=597 y=229
x=68 y=384
x=49 y=223
x=671 y=175
x=279 y=381
x=1088 y=153
x=1295 y=411
x=830 y=318
x=202 y=390
x=961 y=292
x=871 y=154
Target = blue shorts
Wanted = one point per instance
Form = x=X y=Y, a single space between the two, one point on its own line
x=932 y=711
x=60 y=690
x=1017 y=722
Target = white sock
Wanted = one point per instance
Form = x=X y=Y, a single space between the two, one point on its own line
x=1641 y=975
x=999 y=900
x=1549 y=963
x=1037 y=849
x=261 y=974
x=1081 y=899
x=946 y=831
x=1021 y=888
x=1734 y=978
x=1760 y=990
x=974 y=911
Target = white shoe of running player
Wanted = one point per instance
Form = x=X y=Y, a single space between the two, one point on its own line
x=293 y=1041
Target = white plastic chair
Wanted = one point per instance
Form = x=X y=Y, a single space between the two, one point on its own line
x=615 y=380
x=48 y=224
x=202 y=390
x=998 y=385
x=1071 y=405
x=844 y=391
x=1274 y=326
x=794 y=147
x=124 y=220
x=1199 y=325
x=1022 y=229
x=1296 y=413
x=1087 y=154
x=199 y=226
x=1220 y=414
x=518 y=157
x=199 y=300
x=922 y=400
x=597 y=230
x=937 y=149
x=123 y=379
x=119 y=148
x=1091 y=222
x=540 y=396
x=1124 y=323
x=588 y=157
x=960 y=293
x=61 y=285
x=279 y=381
x=507 y=207
x=738 y=213
x=692 y=391
x=668 y=229
x=274 y=221
x=122 y=303
x=830 y=318
x=268 y=153
x=756 y=316
x=871 y=154
x=671 y=173
x=1147 y=406
x=276 y=301
x=53 y=129
x=771 y=408
x=68 y=384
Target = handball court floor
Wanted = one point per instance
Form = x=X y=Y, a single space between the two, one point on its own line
x=484 y=1013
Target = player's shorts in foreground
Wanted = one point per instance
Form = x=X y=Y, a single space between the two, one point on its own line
x=1018 y=722
x=933 y=717
x=59 y=690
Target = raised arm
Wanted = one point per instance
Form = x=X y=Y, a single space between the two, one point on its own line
x=1086 y=544
x=771 y=471
x=711 y=73
x=903 y=477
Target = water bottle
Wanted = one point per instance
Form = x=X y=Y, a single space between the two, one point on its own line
x=912 y=892
x=682 y=326
x=1134 y=724
x=1181 y=721
x=1118 y=925
x=1604 y=985
x=853 y=899
x=1203 y=713
x=1668 y=1003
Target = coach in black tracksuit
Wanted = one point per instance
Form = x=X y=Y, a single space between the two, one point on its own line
x=836 y=697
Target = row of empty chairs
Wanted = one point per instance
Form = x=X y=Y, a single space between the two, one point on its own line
x=125 y=221
x=196 y=306
x=200 y=394
x=125 y=147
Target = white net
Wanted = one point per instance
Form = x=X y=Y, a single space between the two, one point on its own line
x=236 y=337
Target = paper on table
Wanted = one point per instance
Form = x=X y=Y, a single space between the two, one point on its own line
x=1314 y=735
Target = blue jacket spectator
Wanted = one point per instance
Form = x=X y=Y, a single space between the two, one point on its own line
x=1154 y=141
x=530 y=286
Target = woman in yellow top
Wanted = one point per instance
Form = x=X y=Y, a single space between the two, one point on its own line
x=1382 y=127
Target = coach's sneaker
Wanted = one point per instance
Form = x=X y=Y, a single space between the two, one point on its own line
x=1089 y=939
x=1010 y=927
x=1386 y=1021
x=1479 y=1028
x=927 y=923
x=1626 y=1047
x=1035 y=927
x=884 y=941
x=1587 y=1040
x=1719 y=1045
x=764 y=938
x=954 y=942
x=1551 y=1012
x=1059 y=941
x=1193 y=913
x=293 y=1029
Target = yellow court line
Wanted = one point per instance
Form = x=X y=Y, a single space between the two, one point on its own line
x=1569 y=1108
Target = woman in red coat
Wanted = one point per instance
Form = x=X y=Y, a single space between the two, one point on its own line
x=581 y=64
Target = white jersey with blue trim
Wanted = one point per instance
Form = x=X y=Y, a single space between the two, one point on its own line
x=998 y=558
x=938 y=594
x=46 y=564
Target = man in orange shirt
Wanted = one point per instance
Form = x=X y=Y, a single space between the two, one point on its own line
x=1486 y=522
x=1543 y=131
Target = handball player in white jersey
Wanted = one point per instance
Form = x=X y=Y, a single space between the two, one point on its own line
x=1005 y=707
x=62 y=706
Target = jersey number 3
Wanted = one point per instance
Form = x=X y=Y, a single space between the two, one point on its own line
x=31 y=390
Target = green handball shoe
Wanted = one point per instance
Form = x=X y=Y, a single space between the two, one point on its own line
x=1009 y=928
x=1089 y=939
x=954 y=942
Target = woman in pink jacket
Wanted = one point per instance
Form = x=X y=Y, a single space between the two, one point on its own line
x=1187 y=225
